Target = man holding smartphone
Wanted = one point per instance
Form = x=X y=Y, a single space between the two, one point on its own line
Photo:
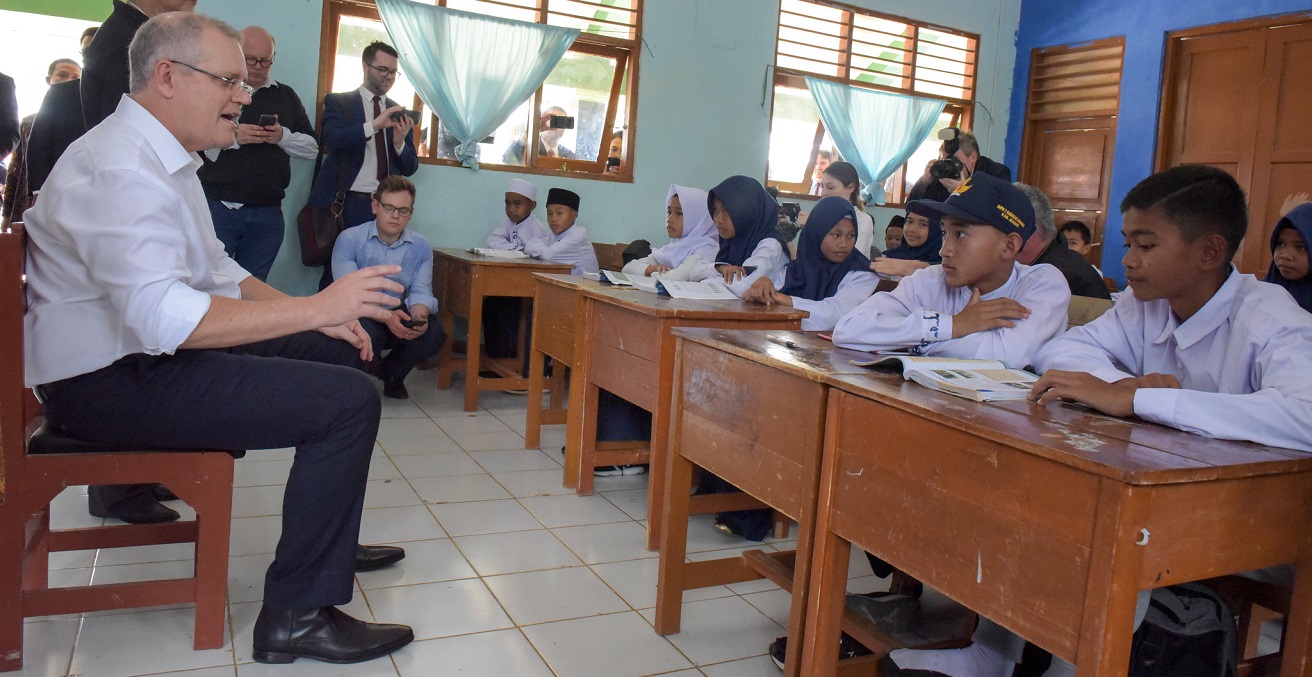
x=407 y=333
x=245 y=183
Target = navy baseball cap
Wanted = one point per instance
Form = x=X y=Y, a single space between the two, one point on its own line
x=984 y=199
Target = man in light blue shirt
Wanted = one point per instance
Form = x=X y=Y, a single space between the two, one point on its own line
x=408 y=334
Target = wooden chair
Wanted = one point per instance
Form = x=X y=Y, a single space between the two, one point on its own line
x=610 y=256
x=1253 y=603
x=1085 y=309
x=37 y=467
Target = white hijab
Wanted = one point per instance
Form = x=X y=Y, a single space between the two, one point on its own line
x=699 y=236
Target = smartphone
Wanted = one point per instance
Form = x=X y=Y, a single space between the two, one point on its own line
x=560 y=122
x=267 y=120
x=415 y=116
x=413 y=323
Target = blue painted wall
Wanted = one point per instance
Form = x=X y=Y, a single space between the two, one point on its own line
x=1144 y=23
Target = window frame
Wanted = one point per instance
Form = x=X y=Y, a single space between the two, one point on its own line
x=961 y=109
x=625 y=83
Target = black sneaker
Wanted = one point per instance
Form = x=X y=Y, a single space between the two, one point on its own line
x=616 y=470
x=847 y=648
x=395 y=390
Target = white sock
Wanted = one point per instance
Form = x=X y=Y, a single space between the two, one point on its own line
x=1060 y=668
x=972 y=661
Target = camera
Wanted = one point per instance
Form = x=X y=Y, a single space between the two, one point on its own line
x=267 y=120
x=949 y=167
x=787 y=222
x=415 y=116
x=560 y=122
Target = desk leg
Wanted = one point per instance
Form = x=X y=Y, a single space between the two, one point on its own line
x=473 y=346
x=533 y=422
x=659 y=449
x=12 y=528
x=444 y=362
x=1107 y=626
x=673 y=545
x=1297 y=658
x=573 y=428
x=824 y=612
x=588 y=441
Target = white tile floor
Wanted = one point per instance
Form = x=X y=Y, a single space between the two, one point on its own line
x=507 y=572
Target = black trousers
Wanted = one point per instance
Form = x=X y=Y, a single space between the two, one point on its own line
x=304 y=391
x=405 y=354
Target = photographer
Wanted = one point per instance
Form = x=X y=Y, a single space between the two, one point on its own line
x=958 y=158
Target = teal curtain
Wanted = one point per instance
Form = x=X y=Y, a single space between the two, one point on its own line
x=471 y=69
x=876 y=131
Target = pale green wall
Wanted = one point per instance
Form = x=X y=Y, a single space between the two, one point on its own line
x=700 y=112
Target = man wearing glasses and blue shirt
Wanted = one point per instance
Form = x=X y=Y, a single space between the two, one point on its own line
x=367 y=138
x=385 y=241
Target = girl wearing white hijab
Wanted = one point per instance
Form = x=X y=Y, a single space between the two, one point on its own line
x=693 y=239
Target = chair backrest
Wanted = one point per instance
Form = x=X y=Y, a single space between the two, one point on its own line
x=609 y=256
x=1085 y=309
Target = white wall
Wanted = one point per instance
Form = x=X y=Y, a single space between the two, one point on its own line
x=701 y=116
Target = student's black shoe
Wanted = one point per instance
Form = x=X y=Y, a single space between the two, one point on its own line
x=138 y=508
x=847 y=648
x=395 y=390
x=324 y=634
x=162 y=493
x=617 y=470
x=370 y=557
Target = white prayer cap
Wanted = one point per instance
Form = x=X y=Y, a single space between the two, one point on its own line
x=524 y=188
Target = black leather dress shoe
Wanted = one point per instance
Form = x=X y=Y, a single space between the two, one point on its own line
x=370 y=557
x=162 y=493
x=324 y=634
x=137 y=508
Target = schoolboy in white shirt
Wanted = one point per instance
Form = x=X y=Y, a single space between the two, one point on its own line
x=566 y=243
x=979 y=303
x=519 y=225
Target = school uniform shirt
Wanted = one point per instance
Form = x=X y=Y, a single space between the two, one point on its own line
x=769 y=258
x=511 y=235
x=1242 y=360
x=571 y=246
x=361 y=247
x=856 y=287
x=918 y=315
x=122 y=256
x=865 y=232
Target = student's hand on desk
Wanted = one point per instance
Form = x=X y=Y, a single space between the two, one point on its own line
x=731 y=273
x=357 y=294
x=761 y=291
x=354 y=334
x=985 y=315
x=656 y=268
x=1113 y=399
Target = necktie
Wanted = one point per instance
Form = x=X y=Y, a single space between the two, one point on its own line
x=380 y=144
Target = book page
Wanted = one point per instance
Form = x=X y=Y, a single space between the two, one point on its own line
x=706 y=289
x=977 y=384
x=911 y=362
x=615 y=277
x=498 y=253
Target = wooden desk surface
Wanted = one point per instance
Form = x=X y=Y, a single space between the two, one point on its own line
x=1048 y=520
x=660 y=305
x=498 y=262
x=1129 y=451
x=801 y=353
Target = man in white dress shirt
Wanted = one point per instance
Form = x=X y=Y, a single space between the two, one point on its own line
x=142 y=332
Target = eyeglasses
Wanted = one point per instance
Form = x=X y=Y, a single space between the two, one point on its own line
x=265 y=62
x=402 y=211
x=232 y=83
x=384 y=71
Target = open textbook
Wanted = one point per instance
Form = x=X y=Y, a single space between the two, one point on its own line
x=712 y=289
x=498 y=253
x=636 y=281
x=979 y=380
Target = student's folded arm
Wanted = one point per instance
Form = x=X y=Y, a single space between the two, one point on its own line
x=638 y=266
x=768 y=259
x=856 y=287
x=1105 y=347
x=702 y=270
x=1048 y=297
x=500 y=239
x=1279 y=413
x=890 y=321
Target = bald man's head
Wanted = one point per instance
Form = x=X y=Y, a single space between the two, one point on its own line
x=259 y=47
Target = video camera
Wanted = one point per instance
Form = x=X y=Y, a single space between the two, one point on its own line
x=949 y=167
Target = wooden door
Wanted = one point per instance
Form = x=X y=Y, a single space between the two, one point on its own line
x=1234 y=96
x=1070 y=130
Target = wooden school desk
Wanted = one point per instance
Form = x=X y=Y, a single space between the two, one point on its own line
x=629 y=350
x=557 y=333
x=759 y=425
x=461 y=281
x=1048 y=520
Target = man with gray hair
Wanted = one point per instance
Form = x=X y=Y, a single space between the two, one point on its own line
x=1048 y=246
x=142 y=333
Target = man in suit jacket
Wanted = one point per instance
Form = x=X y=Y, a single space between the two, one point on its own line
x=8 y=116
x=367 y=137
x=105 y=75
